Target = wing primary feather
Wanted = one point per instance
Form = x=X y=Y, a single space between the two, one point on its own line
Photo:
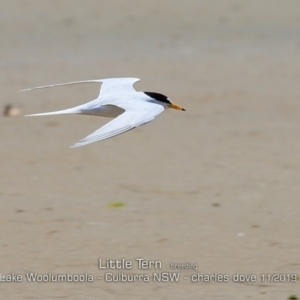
x=61 y=84
x=86 y=141
x=109 y=83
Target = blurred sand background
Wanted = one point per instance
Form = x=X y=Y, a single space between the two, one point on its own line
x=217 y=185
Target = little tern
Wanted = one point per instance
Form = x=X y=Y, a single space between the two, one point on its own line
x=117 y=99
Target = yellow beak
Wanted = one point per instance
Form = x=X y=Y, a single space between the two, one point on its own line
x=175 y=106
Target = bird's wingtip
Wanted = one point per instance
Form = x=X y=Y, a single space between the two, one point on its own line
x=32 y=115
x=74 y=146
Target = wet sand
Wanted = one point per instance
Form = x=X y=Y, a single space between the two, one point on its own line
x=217 y=185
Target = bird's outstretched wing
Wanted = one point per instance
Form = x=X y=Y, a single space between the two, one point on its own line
x=109 y=85
x=119 y=85
x=134 y=116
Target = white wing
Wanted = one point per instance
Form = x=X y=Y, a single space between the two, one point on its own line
x=109 y=85
x=120 y=85
x=135 y=115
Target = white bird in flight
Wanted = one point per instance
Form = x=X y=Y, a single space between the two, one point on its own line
x=117 y=99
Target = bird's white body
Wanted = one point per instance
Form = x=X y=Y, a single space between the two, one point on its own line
x=117 y=99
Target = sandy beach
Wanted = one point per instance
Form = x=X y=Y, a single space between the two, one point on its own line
x=216 y=187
